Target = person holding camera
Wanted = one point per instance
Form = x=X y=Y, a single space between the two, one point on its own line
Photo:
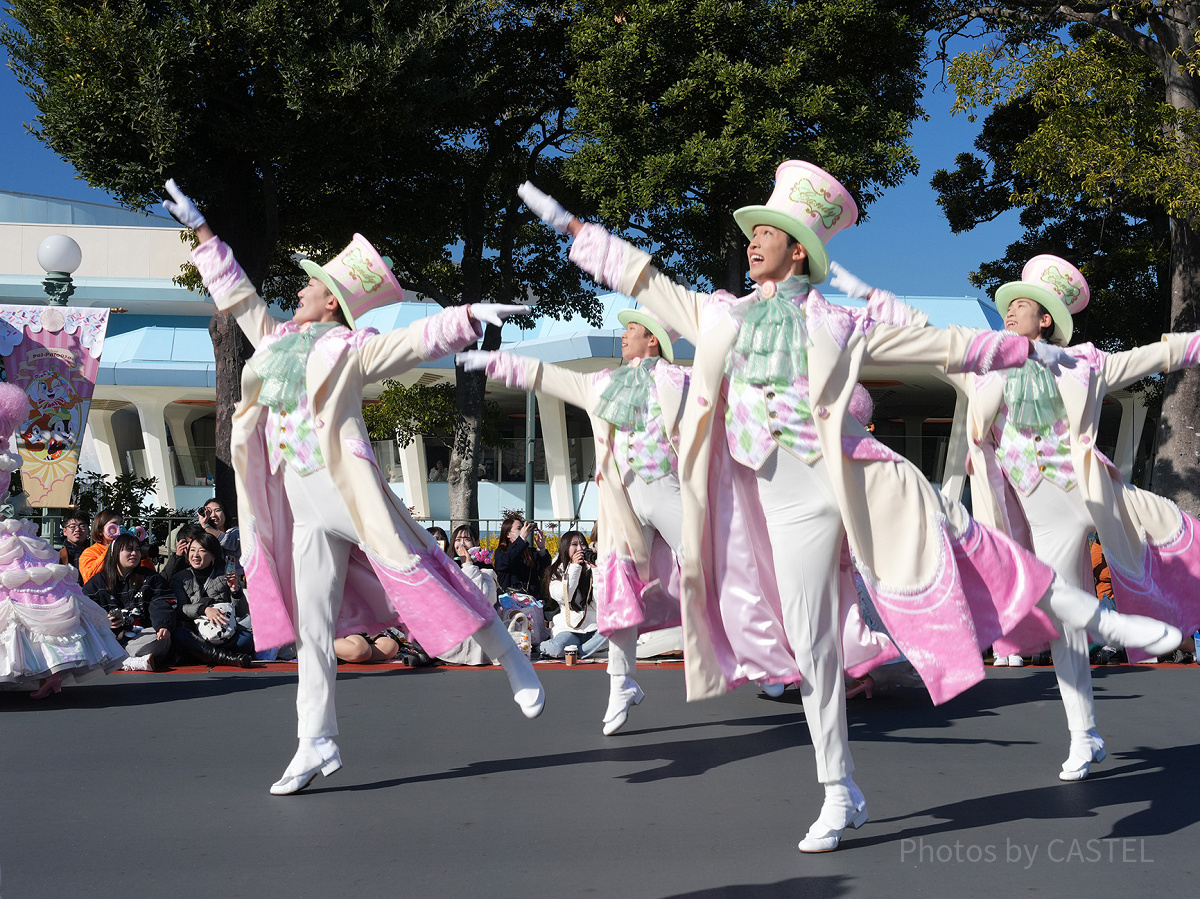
x=570 y=582
x=139 y=603
x=521 y=557
x=211 y=516
x=211 y=590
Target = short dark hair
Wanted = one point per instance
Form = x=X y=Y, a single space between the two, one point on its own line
x=1048 y=331
x=75 y=516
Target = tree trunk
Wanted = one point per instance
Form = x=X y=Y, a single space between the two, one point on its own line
x=734 y=251
x=244 y=217
x=463 y=477
x=1176 y=473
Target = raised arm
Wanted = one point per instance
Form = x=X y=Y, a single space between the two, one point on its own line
x=620 y=266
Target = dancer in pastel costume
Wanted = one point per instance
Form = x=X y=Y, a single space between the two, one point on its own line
x=771 y=461
x=1037 y=475
x=635 y=413
x=48 y=629
x=327 y=547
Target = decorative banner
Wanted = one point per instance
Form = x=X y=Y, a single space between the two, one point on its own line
x=53 y=352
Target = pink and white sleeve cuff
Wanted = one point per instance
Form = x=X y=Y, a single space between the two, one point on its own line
x=600 y=254
x=1191 y=354
x=995 y=350
x=449 y=331
x=509 y=369
x=218 y=268
x=884 y=306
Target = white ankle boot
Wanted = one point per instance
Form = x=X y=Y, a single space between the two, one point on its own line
x=526 y=688
x=1135 y=632
x=316 y=755
x=623 y=694
x=1086 y=747
x=845 y=806
x=1079 y=609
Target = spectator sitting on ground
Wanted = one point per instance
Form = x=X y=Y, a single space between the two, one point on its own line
x=469 y=652
x=177 y=561
x=519 y=565
x=106 y=527
x=570 y=582
x=75 y=539
x=139 y=603
x=199 y=588
x=359 y=649
x=440 y=538
x=211 y=516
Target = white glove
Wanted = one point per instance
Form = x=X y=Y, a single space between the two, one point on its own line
x=495 y=313
x=1052 y=356
x=474 y=360
x=182 y=209
x=545 y=207
x=850 y=285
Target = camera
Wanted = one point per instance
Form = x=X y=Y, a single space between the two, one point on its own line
x=589 y=556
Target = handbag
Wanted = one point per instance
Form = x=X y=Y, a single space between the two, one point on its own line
x=218 y=633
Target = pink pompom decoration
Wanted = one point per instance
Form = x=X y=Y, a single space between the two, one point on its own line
x=14 y=408
x=862 y=406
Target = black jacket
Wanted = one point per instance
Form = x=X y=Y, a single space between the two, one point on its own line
x=152 y=600
x=515 y=573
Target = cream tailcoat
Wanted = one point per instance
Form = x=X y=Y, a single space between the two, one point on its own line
x=895 y=522
x=396 y=570
x=1129 y=521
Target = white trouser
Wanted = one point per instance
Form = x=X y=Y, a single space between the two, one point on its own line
x=658 y=506
x=806 y=534
x=322 y=538
x=1059 y=523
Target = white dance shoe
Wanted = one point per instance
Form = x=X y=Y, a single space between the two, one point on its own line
x=1012 y=661
x=845 y=806
x=526 y=688
x=315 y=756
x=772 y=690
x=1086 y=749
x=1150 y=635
x=624 y=693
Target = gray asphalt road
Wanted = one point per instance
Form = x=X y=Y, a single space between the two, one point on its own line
x=156 y=785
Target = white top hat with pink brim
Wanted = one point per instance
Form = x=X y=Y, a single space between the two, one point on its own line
x=1052 y=281
x=809 y=204
x=654 y=325
x=358 y=277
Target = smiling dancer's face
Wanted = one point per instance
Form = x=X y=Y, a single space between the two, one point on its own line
x=1024 y=317
x=770 y=256
x=317 y=304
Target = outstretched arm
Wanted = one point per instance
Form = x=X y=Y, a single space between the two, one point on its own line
x=621 y=266
x=231 y=290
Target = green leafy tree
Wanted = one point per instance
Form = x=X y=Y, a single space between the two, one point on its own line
x=286 y=120
x=1102 y=135
x=685 y=109
x=295 y=123
x=424 y=410
x=1122 y=247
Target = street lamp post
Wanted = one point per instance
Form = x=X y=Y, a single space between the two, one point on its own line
x=59 y=255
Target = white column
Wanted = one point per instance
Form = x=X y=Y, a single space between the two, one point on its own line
x=104 y=440
x=553 y=413
x=954 y=477
x=1129 y=434
x=152 y=415
x=179 y=425
x=416 y=473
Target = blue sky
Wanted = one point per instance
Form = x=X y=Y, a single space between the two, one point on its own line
x=905 y=246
